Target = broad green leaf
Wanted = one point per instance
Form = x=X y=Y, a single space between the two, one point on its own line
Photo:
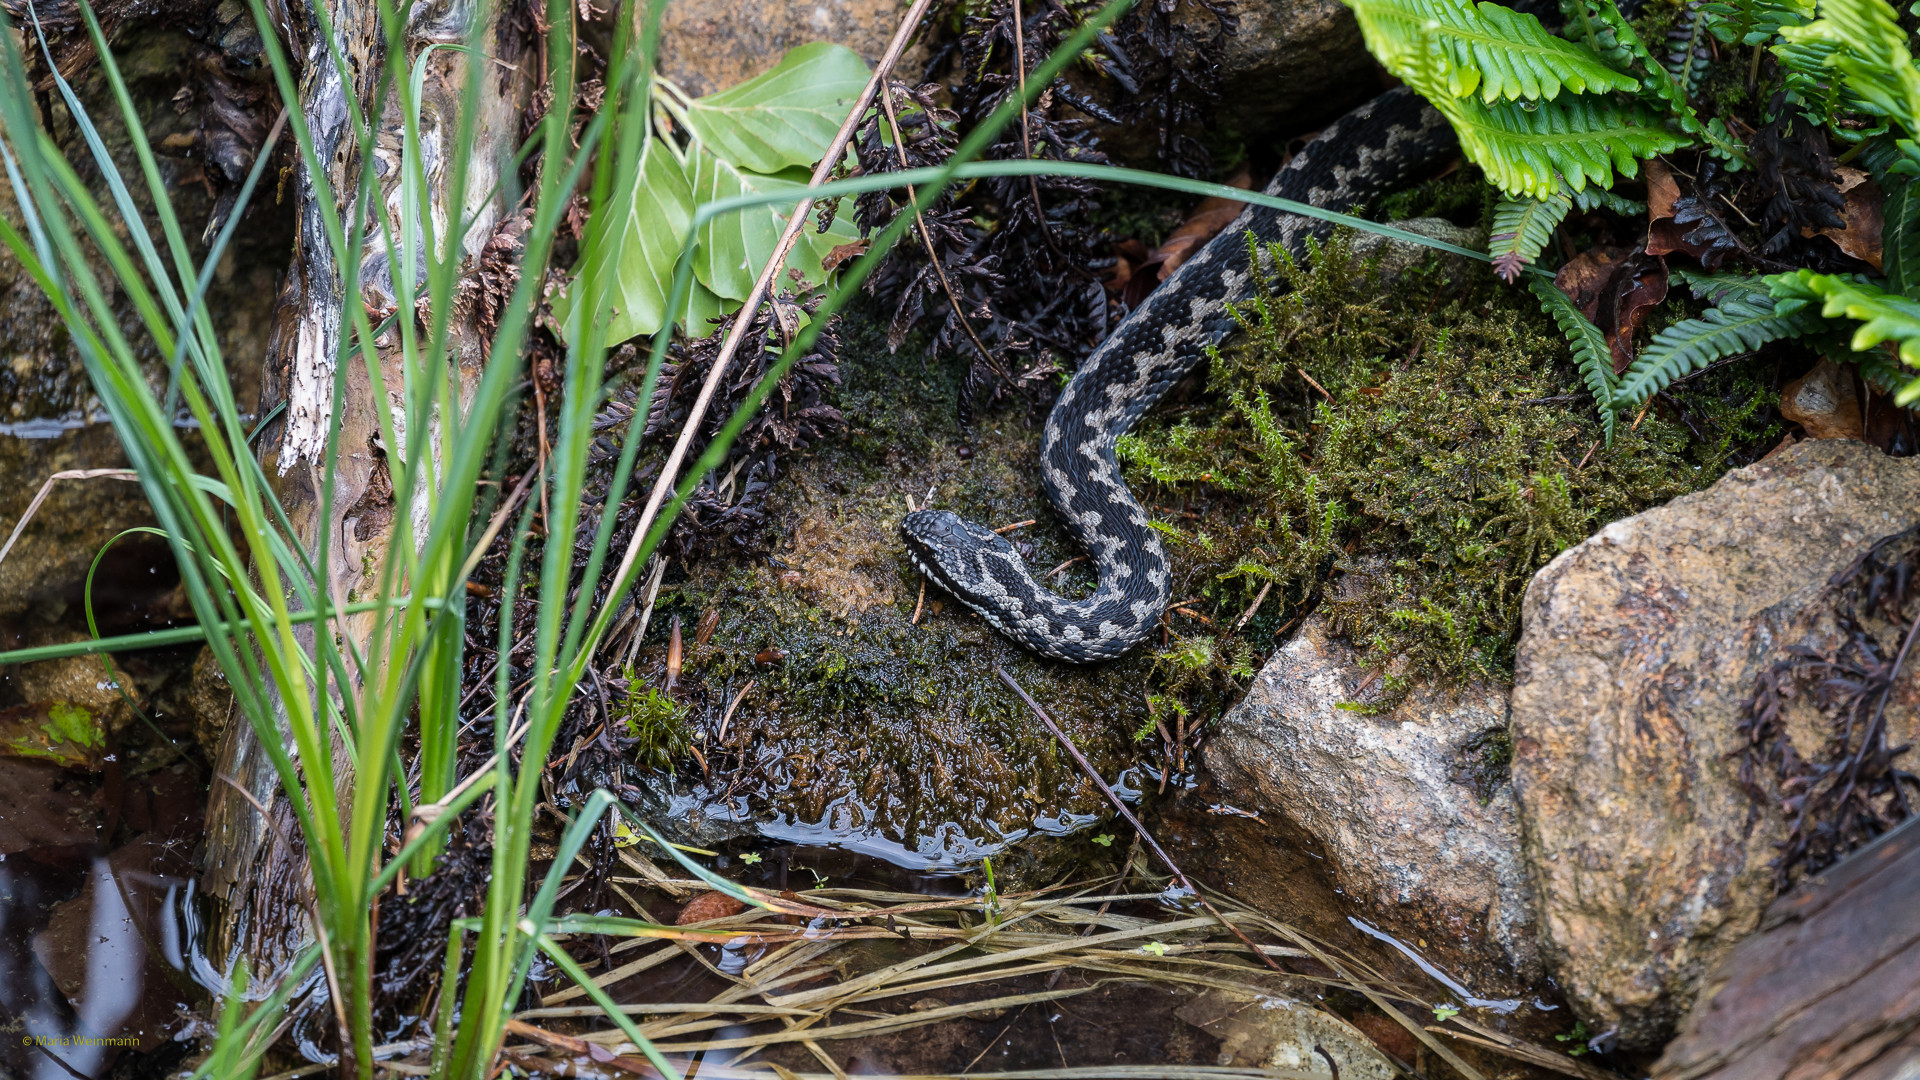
x=785 y=117
x=733 y=247
x=633 y=271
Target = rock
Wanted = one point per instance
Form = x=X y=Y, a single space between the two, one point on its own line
x=1639 y=653
x=714 y=44
x=1411 y=809
x=1275 y=1033
x=85 y=682
x=1293 y=65
x=1825 y=402
x=210 y=700
x=1830 y=987
x=1396 y=257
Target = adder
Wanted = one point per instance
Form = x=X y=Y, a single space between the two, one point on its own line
x=1362 y=155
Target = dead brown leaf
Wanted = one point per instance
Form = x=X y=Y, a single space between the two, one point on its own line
x=1585 y=277
x=1662 y=190
x=1202 y=224
x=1664 y=235
x=1863 y=213
x=708 y=905
x=842 y=253
x=1639 y=287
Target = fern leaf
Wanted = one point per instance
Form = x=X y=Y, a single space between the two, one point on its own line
x=1461 y=48
x=1900 y=236
x=1744 y=320
x=1862 y=40
x=1882 y=316
x=1716 y=288
x=1525 y=149
x=1595 y=198
x=1754 y=22
x=1589 y=347
x=1689 y=52
x=1521 y=229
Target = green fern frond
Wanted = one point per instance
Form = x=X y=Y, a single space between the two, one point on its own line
x=1863 y=41
x=1455 y=47
x=1745 y=319
x=1521 y=229
x=1595 y=198
x=1589 y=347
x=1754 y=22
x=1716 y=288
x=1526 y=148
x=1900 y=235
x=1882 y=317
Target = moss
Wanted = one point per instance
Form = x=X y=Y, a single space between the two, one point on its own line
x=660 y=726
x=1410 y=455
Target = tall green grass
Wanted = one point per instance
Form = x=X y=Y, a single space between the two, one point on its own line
x=257 y=585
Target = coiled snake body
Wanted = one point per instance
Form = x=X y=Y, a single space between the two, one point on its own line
x=1360 y=156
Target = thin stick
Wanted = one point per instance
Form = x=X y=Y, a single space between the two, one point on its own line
x=1240 y=623
x=1005 y=529
x=1145 y=836
x=731 y=344
x=70 y=474
x=919 y=604
x=1026 y=135
x=728 y=715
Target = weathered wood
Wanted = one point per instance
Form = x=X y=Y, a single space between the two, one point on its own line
x=1828 y=988
x=255 y=868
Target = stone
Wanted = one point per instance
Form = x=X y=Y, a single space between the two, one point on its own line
x=209 y=700
x=1639 y=653
x=85 y=682
x=1256 y=1031
x=1396 y=256
x=1293 y=65
x=1409 y=808
x=1825 y=402
x=714 y=44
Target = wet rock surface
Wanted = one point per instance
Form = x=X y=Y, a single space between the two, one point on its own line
x=1410 y=807
x=715 y=44
x=1293 y=64
x=1638 y=658
x=1278 y=1033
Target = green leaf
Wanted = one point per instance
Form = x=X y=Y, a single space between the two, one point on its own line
x=1882 y=317
x=634 y=267
x=785 y=117
x=1745 y=319
x=733 y=247
x=1521 y=229
x=1460 y=47
x=1589 y=347
x=1526 y=149
x=1900 y=237
x=1862 y=40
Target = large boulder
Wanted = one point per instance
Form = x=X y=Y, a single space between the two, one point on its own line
x=1293 y=64
x=1638 y=659
x=1409 y=807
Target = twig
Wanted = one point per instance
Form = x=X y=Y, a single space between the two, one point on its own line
x=721 y=739
x=70 y=474
x=1064 y=565
x=731 y=343
x=1241 y=622
x=1145 y=836
x=919 y=604
x=646 y=613
x=1005 y=529
x=1315 y=385
x=1026 y=136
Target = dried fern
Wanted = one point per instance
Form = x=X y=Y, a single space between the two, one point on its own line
x=1521 y=230
x=1690 y=48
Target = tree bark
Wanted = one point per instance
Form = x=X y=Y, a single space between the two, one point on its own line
x=255 y=868
x=1829 y=988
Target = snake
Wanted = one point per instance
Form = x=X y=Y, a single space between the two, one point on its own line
x=1366 y=153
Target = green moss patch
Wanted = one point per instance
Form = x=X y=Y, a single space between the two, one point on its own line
x=1409 y=456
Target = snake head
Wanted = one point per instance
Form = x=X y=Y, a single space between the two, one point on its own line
x=947 y=548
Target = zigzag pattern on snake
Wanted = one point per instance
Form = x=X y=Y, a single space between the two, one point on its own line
x=1362 y=155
